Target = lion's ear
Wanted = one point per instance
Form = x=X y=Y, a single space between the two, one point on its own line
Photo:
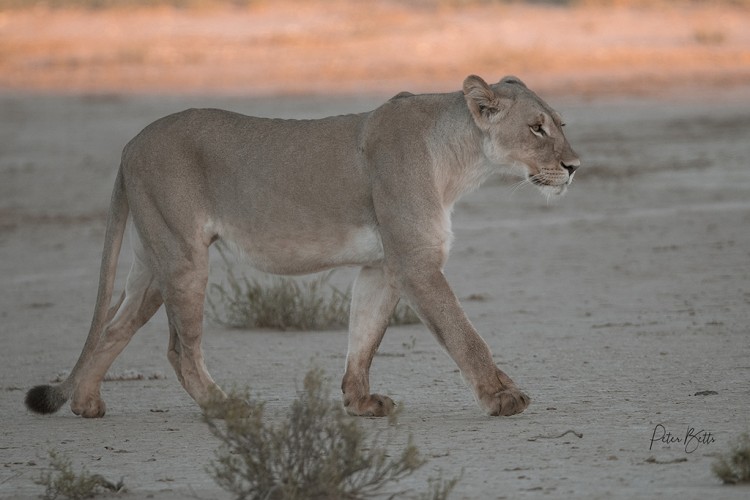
x=483 y=102
x=513 y=80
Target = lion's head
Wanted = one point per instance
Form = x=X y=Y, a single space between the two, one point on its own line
x=522 y=132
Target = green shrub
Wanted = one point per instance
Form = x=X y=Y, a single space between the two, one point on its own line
x=317 y=452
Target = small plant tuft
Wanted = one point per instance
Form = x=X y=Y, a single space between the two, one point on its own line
x=277 y=303
x=284 y=303
x=734 y=467
x=439 y=488
x=403 y=315
x=61 y=482
x=317 y=452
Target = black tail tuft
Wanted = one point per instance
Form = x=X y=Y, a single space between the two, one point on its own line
x=45 y=399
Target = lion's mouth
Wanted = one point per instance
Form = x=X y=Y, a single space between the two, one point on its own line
x=546 y=187
x=542 y=182
x=535 y=180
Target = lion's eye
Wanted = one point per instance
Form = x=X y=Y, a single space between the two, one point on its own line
x=538 y=130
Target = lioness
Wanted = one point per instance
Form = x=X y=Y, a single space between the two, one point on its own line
x=373 y=189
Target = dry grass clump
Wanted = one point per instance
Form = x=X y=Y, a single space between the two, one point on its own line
x=277 y=303
x=403 y=315
x=60 y=481
x=284 y=303
x=734 y=467
x=317 y=452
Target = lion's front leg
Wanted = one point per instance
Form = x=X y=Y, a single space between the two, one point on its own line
x=409 y=195
x=439 y=308
x=373 y=299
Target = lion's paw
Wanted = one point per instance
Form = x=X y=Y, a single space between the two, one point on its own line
x=89 y=408
x=506 y=402
x=374 y=405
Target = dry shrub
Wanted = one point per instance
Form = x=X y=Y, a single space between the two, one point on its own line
x=284 y=303
x=61 y=482
x=277 y=303
x=402 y=315
x=734 y=467
x=317 y=452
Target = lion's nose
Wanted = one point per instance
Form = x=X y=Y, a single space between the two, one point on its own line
x=571 y=166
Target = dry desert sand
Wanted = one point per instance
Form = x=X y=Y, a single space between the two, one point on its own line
x=619 y=308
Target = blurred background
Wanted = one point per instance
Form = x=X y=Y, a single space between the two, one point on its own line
x=581 y=47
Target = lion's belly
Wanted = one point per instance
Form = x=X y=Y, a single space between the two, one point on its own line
x=304 y=252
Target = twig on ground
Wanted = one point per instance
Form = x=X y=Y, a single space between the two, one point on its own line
x=579 y=435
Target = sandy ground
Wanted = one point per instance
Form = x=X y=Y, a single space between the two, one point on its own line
x=614 y=307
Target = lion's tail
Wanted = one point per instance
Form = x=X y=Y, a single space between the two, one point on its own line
x=49 y=398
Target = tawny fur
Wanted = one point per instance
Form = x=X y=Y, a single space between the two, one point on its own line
x=374 y=190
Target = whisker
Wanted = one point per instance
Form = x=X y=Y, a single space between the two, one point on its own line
x=516 y=186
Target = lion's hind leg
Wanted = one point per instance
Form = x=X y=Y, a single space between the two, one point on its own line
x=139 y=303
x=45 y=399
x=373 y=299
x=184 y=294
